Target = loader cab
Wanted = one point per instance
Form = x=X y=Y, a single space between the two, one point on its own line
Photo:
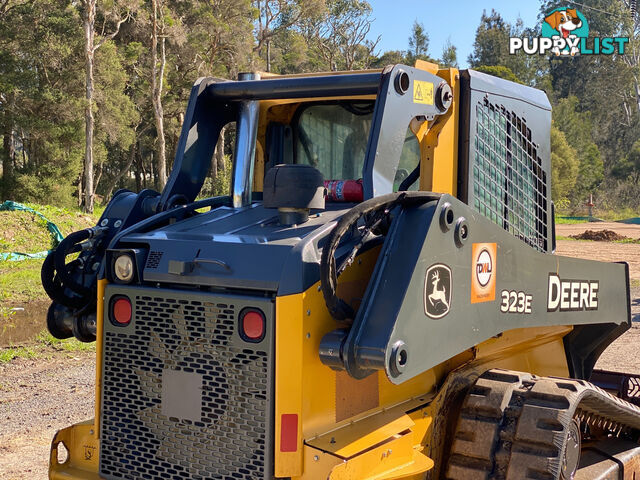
x=462 y=133
x=367 y=126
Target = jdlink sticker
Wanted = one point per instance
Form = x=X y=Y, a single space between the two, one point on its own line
x=483 y=272
x=437 y=291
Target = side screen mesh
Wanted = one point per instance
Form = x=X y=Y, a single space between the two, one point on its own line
x=509 y=183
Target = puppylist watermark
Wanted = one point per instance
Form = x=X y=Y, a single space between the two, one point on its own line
x=565 y=32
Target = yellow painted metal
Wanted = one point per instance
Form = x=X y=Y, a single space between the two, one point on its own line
x=81 y=442
x=317 y=464
x=359 y=435
x=102 y=284
x=288 y=380
x=439 y=143
x=394 y=459
x=427 y=66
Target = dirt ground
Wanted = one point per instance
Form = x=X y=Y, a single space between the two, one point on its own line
x=623 y=354
x=602 y=251
x=37 y=398
x=40 y=396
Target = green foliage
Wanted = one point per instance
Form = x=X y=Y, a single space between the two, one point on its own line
x=449 y=55
x=221 y=185
x=44 y=345
x=590 y=172
x=10 y=353
x=20 y=281
x=42 y=84
x=578 y=127
x=564 y=166
x=391 y=57
x=492 y=41
x=498 y=71
x=629 y=166
x=418 y=43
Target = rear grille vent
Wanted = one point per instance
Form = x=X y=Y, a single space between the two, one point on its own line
x=154 y=259
x=509 y=183
x=223 y=436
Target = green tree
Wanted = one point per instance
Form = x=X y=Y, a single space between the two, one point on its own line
x=41 y=87
x=338 y=37
x=418 y=43
x=449 y=55
x=273 y=17
x=564 y=167
x=118 y=14
x=629 y=166
x=578 y=129
x=492 y=41
x=391 y=57
x=498 y=71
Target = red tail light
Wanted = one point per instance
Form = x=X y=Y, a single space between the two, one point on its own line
x=289 y=432
x=252 y=325
x=121 y=311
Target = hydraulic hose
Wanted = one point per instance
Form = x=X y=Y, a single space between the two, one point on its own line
x=383 y=204
x=68 y=246
x=54 y=287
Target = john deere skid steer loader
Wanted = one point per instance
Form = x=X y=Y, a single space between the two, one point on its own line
x=376 y=298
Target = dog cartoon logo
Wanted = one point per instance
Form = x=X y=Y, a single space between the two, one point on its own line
x=437 y=291
x=568 y=24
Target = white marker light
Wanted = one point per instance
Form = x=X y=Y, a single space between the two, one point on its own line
x=123 y=268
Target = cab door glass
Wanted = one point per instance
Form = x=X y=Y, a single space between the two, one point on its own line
x=409 y=161
x=333 y=138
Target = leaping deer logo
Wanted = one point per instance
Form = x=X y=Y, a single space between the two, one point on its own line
x=438 y=295
x=437 y=291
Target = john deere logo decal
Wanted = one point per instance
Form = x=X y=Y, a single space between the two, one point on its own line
x=565 y=33
x=437 y=291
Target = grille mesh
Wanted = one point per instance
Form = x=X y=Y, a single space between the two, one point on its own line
x=509 y=183
x=154 y=259
x=137 y=440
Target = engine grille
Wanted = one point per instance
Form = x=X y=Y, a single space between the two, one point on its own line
x=509 y=183
x=213 y=421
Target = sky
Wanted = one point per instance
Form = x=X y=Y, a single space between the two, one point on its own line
x=454 y=19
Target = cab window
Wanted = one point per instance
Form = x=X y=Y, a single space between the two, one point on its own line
x=333 y=138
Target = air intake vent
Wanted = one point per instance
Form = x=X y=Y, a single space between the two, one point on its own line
x=184 y=397
x=509 y=184
x=154 y=259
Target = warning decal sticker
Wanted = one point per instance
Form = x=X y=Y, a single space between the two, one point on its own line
x=422 y=92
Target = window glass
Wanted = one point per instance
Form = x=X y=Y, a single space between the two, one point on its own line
x=333 y=138
x=409 y=161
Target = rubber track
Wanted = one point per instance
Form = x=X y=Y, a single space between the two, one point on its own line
x=512 y=425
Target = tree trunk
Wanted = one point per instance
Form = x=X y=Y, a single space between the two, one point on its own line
x=157 y=77
x=9 y=147
x=122 y=173
x=98 y=178
x=268 y=55
x=220 y=152
x=80 y=183
x=218 y=157
x=89 y=20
